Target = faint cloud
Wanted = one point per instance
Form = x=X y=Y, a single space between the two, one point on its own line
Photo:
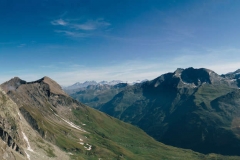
x=73 y=34
x=79 y=29
x=5 y=43
x=59 y=22
x=91 y=25
x=21 y=45
x=49 y=66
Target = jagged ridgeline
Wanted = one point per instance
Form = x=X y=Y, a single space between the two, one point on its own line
x=40 y=121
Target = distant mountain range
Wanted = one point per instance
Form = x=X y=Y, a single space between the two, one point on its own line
x=189 y=108
x=91 y=83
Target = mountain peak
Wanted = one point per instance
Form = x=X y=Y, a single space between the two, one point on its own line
x=55 y=88
x=197 y=75
x=12 y=84
x=232 y=75
x=15 y=82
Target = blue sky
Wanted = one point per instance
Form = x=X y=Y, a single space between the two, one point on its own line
x=78 y=40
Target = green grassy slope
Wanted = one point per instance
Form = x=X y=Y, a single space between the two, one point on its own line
x=109 y=138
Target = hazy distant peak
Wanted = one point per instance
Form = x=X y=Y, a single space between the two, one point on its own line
x=92 y=83
x=232 y=75
x=237 y=71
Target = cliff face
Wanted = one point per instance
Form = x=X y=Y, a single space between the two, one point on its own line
x=10 y=128
x=18 y=138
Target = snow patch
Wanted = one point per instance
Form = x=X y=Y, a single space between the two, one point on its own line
x=71 y=124
x=19 y=116
x=28 y=156
x=88 y=147
x=81 y=143
x=28 y=144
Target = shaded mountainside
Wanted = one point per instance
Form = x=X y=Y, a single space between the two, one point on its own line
x=56 y=126
x=96 y=95
x=182 y=109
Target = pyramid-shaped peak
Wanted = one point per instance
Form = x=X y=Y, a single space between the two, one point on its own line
x=53 y=85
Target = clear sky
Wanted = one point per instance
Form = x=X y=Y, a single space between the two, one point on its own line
x=78 y=40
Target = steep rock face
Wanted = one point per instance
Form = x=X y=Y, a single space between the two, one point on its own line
x=10 y=130
x=40 y=97
x=177 y=109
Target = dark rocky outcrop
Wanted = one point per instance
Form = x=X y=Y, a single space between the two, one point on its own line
x=10 y=142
